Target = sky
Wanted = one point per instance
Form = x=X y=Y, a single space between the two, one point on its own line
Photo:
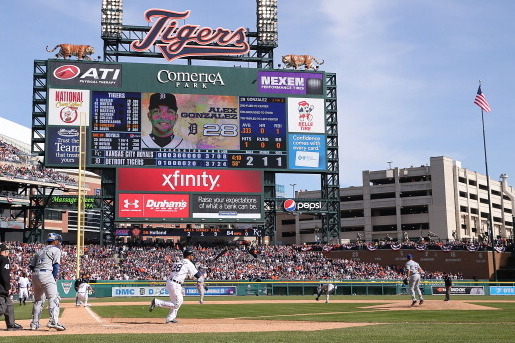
x=407 y=71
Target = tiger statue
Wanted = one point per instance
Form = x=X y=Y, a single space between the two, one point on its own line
x=297 y=61
x=68 y=50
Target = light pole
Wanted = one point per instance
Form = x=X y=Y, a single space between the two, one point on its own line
x=293 y=188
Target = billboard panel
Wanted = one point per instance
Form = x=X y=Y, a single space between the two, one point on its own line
x=154 y=115
x=189 y=194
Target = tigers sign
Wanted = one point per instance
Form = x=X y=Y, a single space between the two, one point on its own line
x=189 y=40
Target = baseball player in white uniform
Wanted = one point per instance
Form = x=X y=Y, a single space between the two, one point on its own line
x=326 y=288
x=83 y=294
x=413 y=272
x=180 y=271
x=201 y=287
x=23 y=288
x=45 y=271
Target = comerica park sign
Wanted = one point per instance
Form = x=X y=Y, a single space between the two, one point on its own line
x=189 y=40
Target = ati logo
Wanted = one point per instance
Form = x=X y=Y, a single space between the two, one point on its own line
x=127 y=203
x=305 y=110
x=188 y=180
x=104 y=75
x=66 y=72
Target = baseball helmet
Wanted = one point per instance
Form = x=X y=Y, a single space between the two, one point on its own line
x=187 y=252
x=162 y=99
x=54 y=237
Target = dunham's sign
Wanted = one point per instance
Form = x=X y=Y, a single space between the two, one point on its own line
x=189 y=40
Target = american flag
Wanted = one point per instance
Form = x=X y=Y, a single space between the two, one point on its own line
x=480 y=100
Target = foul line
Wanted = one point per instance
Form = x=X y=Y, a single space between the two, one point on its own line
x=94 y=315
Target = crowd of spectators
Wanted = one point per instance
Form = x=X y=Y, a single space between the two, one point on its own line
x=15 y=164
x=237 y=263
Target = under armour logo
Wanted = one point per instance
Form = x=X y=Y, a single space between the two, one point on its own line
x=127 y=203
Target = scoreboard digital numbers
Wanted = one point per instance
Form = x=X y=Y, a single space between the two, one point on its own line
x=209 y=117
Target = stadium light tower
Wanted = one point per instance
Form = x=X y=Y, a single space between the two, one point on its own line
x=267 y=23
x=112 y=14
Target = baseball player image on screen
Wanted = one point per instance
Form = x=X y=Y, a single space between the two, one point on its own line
x=414 y=272
x=162 y=114
x=326 y=288
x=45 y=271
x=180 y=271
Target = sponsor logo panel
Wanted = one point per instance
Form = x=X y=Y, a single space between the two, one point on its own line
x=189 y=180
x=290 y=83
x=153 y=205
x=85 y=74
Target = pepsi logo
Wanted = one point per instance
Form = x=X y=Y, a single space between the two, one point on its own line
x=66 y=72
x=290 y=205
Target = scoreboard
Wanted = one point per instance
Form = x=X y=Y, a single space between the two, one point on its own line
x=226 y=118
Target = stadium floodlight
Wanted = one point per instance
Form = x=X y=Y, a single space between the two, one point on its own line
x=112 y=13
x=267 y=23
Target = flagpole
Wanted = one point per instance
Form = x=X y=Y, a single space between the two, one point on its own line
x=490 y=223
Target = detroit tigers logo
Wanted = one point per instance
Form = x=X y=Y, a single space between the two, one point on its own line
x=127 y=203
x=305 y=110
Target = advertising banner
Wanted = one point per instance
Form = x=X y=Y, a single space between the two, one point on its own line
x=459 y=290
x=162 y=291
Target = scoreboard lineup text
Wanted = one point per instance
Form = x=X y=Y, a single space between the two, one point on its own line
x=239 y=118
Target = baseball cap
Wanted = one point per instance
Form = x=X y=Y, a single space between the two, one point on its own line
x=409 y=256
x=162 y=99
x=4 y=247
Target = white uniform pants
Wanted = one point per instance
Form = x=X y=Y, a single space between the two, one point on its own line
x=82 y=297
x=176 y=299
x=23 y=293
x=414 y=286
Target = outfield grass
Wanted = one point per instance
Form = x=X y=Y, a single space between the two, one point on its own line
x=397 y=326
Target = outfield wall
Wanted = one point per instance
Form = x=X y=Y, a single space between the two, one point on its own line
x=274 y=287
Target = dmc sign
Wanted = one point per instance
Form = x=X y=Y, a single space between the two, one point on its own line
x=291 y=205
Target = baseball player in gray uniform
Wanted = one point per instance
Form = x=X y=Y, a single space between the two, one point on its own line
x=180 y=271
x=45 y=267
x=201 y=287
x=326 y=288
x=413 y=272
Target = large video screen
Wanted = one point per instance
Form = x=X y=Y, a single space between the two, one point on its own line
x=177 y=116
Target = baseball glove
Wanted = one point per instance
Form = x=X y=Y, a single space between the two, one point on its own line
x=206 y=288
x=405 y=281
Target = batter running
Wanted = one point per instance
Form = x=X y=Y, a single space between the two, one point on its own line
x=180 y=271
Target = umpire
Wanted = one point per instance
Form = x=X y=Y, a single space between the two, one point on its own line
x=6 y=302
